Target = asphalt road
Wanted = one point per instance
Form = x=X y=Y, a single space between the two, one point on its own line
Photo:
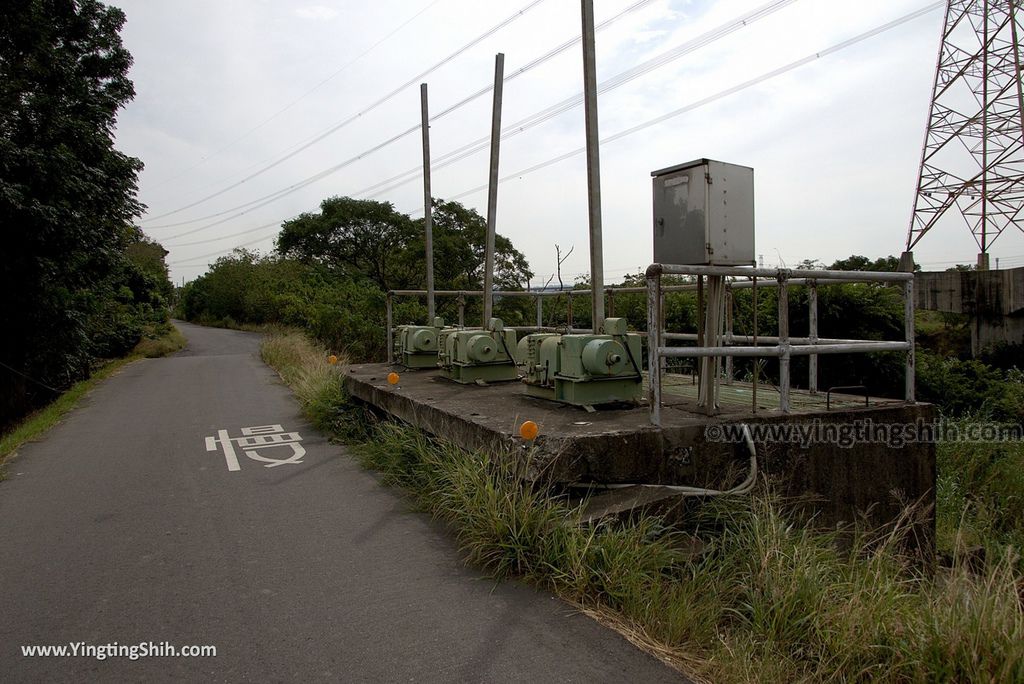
x=120 y=527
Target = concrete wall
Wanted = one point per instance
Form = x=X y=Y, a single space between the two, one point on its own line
x=993 y=299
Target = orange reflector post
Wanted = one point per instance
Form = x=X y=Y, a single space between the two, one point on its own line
x=392 y=378
x=529 y=430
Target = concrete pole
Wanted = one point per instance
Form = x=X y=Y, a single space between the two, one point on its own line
x=593 y=166
x=428 y=221
x=492 y=185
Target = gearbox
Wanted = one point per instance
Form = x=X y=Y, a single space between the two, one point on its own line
x=474 y=355
x=416 y=345
x=584 y=370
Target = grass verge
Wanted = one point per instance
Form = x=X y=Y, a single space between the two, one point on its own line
x=767 y=599
x=156 y=341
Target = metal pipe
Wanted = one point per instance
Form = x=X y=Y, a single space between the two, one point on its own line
x=593 y=166
x=537 y=293
x=390 y=337
x=772 y=339
x=753 y=389
x=540 y=312
x=428 y=220
x=492 y=186
x=908 y=332
x=780 y=351
x=663 y=368
x=812 y=315
x=745 y=271
x=654 y=346
x=745 y=284
x=702 y=352
x=462 y=311
x=728 y=334
x=783 y=343
x=859 y=348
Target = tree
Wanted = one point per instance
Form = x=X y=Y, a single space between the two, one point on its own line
x=857 y=262
x=67 y=197
x=460 y=236
x=367 y=239
x=359 y=237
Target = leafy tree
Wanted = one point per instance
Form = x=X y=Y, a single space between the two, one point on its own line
x=460 y=235
x=67 y=197
x=857 y=262
x=357 y=237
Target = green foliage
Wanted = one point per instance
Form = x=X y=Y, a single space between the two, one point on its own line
x=363 y=239
x=961 y=387
x=332 y=266
x=356 y=237
x=750 y=594
x=85 y=285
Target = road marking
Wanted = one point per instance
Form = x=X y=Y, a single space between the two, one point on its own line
x=229 y=450
x=255 y=439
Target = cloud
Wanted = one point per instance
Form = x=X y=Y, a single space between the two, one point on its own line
x=321 y=12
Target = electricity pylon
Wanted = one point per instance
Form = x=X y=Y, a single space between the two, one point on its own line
x=972 y=164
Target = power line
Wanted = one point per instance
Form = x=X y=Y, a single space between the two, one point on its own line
x=294 y=102
x=700 y=103
x=719 y=95
x=516 y=128
x=558 y=108
x=494 y=29
x=220 y=252
x=412 y=129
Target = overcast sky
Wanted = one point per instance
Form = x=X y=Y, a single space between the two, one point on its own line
x=226 y=88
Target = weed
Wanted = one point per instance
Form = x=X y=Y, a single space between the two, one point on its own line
x=768 y=598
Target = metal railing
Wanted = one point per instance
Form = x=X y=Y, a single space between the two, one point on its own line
x=782 y=346
x=538 y=295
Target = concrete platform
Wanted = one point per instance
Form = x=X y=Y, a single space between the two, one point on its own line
x=621 y=446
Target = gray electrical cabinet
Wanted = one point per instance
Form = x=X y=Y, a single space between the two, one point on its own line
x=704 y=214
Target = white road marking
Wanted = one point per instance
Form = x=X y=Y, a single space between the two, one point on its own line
x=254 y=439
x=229 y=449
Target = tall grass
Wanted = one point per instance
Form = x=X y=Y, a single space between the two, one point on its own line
x=765 y=598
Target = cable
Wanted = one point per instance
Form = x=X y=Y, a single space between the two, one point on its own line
x=576 y=100
x=412 y=129
x=516 y=128
x=296 y=100
x=219 y=252
x=29 y=378
x=357 y=115
x=717 y=96
x=700 y=103
x=744 y=487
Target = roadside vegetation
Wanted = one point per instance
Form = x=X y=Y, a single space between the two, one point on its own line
x=157 y=340
x=82 y=285
x=740 y=591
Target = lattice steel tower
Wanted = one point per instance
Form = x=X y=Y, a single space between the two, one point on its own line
x=972 y=165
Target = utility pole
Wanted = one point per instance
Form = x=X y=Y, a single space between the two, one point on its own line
x=428 y=226
x=593 y=167
x=492 y=185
